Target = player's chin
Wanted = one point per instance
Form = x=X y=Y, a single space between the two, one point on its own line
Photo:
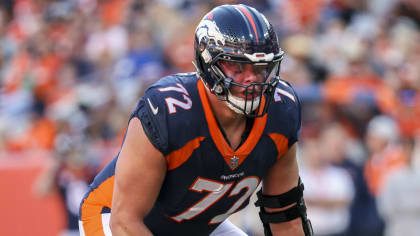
x=251 y=96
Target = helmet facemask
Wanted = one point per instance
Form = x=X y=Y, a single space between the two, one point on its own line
x=250 y=99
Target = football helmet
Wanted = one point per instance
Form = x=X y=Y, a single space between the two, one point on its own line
x=239 y=36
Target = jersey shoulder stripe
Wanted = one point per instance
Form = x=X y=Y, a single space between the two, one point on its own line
x=284 y=114
x=178 y=157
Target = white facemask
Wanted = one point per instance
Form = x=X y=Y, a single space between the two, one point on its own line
x=250 y=106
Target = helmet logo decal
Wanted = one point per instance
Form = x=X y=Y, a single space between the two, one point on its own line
x=209 y=29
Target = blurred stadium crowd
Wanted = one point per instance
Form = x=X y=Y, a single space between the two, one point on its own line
x=71 y=72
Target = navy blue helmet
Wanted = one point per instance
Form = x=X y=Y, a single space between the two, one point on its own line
x=238 y=34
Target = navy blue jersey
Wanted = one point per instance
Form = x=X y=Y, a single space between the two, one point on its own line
x=206 y=180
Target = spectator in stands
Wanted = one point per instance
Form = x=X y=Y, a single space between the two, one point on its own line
x=399 y=199
x=69 y=172
x=364 y=218
x=329 y=190
x=385 y=155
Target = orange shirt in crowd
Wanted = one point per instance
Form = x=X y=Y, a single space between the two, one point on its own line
x=380 y=166
x=46 y=77
x=40 y=135
x=407 y=116
x=344 y=89
x=113 y=11
x=303 y=12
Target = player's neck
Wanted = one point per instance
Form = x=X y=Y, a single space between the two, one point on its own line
x=232 y=123
x=224 y=115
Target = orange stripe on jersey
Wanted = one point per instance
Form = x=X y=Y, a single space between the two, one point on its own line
x=93 y=226
x=178 y=157
x=92 y=206
x=281 y=143
x=217 y=136
x=250 y=19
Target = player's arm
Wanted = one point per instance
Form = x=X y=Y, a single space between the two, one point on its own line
x=283 y=211
x=139 y=173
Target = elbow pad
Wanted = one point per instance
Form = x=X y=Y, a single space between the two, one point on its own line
x=295 y=195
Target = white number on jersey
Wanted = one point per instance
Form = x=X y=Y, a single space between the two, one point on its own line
x=216 y=191
x=279 y=92
x=172 y=103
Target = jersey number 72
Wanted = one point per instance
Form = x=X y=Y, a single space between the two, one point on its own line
x=216 y=190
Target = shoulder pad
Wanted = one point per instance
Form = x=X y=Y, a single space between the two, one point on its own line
x=284 y=90
x=164 y=108
x=285 y=110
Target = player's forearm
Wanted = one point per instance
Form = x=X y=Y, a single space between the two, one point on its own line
x=290 y=228
x=121 y=227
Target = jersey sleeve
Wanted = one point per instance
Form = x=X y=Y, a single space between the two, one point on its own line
x=298 y=125
x=165 y=111
x=285 y=113
x=150 y=111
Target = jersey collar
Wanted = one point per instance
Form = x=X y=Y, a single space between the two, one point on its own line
x=227 y=152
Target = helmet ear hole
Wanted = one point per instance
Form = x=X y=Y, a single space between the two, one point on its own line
x=218 y=90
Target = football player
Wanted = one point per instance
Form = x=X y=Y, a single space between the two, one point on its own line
x=198 y=144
